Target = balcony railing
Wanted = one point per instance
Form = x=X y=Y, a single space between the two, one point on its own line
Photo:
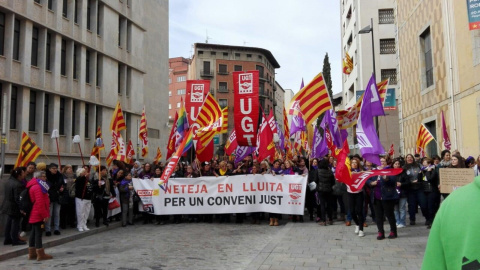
x=222 y=90
x=206 y=73
x=223 y=72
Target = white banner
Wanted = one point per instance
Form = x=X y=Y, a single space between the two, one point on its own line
x=223 y=195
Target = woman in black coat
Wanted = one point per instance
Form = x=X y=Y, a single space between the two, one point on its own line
x=325 y=181
x=103 y=190
x=11 y=207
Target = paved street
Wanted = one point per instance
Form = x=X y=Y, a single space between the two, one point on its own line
x=232 y=246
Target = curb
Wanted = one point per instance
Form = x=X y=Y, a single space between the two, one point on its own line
x=23 y=250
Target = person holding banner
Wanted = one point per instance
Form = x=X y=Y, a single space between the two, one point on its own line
x=147 y=174
x=416 y=196
x=83 y=198
x=384 y=195
x=400 y=209
x=430 y=182
x=301 y=169
x=310 y=198
x=103 y=190
x=356 y=200
x=126 y=197
x=177 y=173
x=206 y=170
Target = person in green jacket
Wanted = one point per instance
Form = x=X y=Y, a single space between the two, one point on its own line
x=454 y=241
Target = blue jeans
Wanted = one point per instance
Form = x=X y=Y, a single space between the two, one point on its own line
x=401 y=211
x=55 y=214
x=417 y=197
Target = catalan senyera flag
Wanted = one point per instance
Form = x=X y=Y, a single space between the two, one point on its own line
x=382 y=89
x=423 y=138
x=313 y=99
x=96 y=149
x=130 y=154
x=118 y=122
x=347 y=64
x=29 y=151
x=158 y=157
x=205 y=137
x=212 y=120
x=143 y=135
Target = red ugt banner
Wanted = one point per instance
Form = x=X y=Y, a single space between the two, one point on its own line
x=246 y=104
x=197 y=90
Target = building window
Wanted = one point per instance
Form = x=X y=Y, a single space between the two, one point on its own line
x=386 y=16
x=87 y=67
x=63 y=64
x=50 y=4
x=169 y=93
x=89 y=15
x=129 y=81
x=87 y=111
x=222 y=69
x=47 y=52
x=225 y=54
x=432 y=147
x=261 y=88
x=181 y=92
x=32 y=111
x=223 y=103
x=223 y=87
x=390 y=73
x=2 y=32
x=13 y=108
x=181 y=78
x=77 y=11
x=169 y=106
x=237 y=68
x=260 y=71
x=16 y=40
x=99 y=65
x=237 y=55
x=65 y=9
x=119 y=78
x=129 y=36
x=99 y=19
x=200 y=52
x=249 y=56
x=387 y=46
x=46 y=115
x=75 y=48
x=37 y=1
x=426 y=45
x=213 y=53
x=178 y=104
x=74 y=117
x=34 y=60
x=61 y=125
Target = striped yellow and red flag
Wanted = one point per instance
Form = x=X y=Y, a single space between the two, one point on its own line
x=204 y=137
x=286 y=128
x=347 y=64
x=313 y=99
x=143 y=133
x=211 y=120
x=96 y=149
x=158 y=157
x=382 y=89
x=29 y=151
x=118 y=122
x=423 y=138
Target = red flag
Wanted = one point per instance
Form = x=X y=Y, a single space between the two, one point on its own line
x=171 y=138
x=246 y=101
x=271 y=122
x=231 y=144
x=206 y=153
x=197 y=90
x=331 y=145
x=267 y=146
x=130 y=153
x=391 y=152
x=359 y=179
x=446 y=138
x=343 y=170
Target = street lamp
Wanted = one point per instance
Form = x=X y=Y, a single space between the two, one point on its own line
x=366 y=30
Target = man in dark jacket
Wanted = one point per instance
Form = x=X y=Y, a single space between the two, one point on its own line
x=56 y=183
x=11 y=208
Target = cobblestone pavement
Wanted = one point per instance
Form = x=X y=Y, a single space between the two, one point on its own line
x=236 y=246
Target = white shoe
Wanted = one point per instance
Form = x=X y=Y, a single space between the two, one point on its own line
x=86 y=229
x=361 y=234
x=400 y=226
x=80 y=229
x=23 y=234
x=357 y=229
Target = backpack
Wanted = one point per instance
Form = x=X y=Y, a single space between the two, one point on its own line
x=26 y=204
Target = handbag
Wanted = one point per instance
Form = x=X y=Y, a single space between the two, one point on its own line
x=339 y=188
x=113 y=204
x=136 y=198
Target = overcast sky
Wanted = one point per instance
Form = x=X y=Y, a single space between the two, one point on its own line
x=298 y=33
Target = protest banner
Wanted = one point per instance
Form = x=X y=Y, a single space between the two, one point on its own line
x=452 y=178
x=224 y=195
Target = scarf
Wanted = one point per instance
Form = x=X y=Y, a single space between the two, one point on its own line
x=277 y=171
x=424 y=168
x=43 y=186
x=222 y=172
x=126 y=182
x=288 y=171
x=315 y=167
x=355 y=170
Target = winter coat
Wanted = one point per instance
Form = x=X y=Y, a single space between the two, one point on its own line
x=386 y=189
x=100 y=192
x=82 y=183
x=432 y=178
x=412 y=172
x=55 y=181
x=125 y=192
x=11 y=202
x=402 y=179
x=40 y=201
x=325 y=180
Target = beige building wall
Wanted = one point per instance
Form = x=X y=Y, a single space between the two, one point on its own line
x=456 y=86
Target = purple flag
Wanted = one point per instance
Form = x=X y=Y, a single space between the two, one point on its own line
x=330 y=119
x=370 y=145
x=446 y=138
x=281 y=143
x=319 y=147
x=302 y=85
x=376 y=105
x=242 y=151
x=298 y=124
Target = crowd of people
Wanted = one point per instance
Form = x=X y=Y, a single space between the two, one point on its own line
x=65 y=198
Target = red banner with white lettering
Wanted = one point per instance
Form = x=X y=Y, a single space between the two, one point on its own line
x=246 y=104
x=359 y=179
x=197 y=90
